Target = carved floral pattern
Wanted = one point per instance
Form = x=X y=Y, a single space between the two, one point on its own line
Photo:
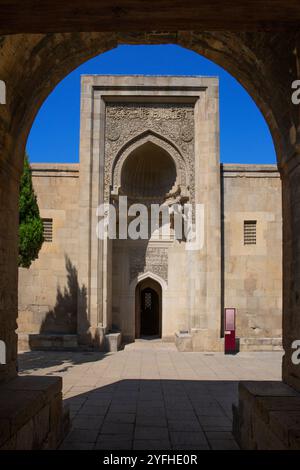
x=126 y=121
x=154 y=260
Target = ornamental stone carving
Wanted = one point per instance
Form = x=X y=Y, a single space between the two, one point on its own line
x=186 y=135
x=181 y=169
x=113 y=133
x=149 y=259
x=172 y=125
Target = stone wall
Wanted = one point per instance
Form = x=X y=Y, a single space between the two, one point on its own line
x=267 y=416
x=251 y=279
x=253 y=273
x=48 y=291
x=32 y=415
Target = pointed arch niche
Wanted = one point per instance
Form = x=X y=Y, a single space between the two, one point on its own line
x=149 y=166
x=148 y=283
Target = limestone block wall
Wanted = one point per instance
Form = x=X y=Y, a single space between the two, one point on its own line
x=48 y=290
x=252 y=274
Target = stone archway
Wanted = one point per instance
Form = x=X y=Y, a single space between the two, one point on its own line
x=157 y=141
x=154 y=281
x=38 y=62
x=148 y=308
x=48 y=60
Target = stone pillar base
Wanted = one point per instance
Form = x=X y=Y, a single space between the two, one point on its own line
x=267 y=416
x=184 y=342
x=32 y=414
x=113 y=342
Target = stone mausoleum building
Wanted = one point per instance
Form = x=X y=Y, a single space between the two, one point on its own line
x=154 y=140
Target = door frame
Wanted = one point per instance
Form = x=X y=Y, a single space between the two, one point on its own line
x=143 y=284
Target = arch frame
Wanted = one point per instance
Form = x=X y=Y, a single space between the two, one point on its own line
x=43 y=60
x=148 y=275
x=182 y=170
x=136 y=286
x=38 y=62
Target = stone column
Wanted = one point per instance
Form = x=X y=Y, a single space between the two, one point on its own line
x=91 y=324
x=291 y=268
x=9 y=220
x=207 y=315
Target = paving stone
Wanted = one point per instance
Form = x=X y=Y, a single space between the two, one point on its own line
x=120 y=417
x=116 y=442
x=76 y=446
x=117 y=428
x=117 y=408
x=180 y=425
x=178 y=414
x=203 y=446
x=188 y=438
x=226 y=444
x=93 y=410
x=156 y=397
x=152 y=444
x=219 y=435
x=87 y=422
x=214 y=421
x=148 y=420
x=209 y=411
x=82 y=435
x=151 y=432
x=165 y=411
x=143 y=411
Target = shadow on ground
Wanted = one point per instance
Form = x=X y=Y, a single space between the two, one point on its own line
x=31 y=361
x=153 y=414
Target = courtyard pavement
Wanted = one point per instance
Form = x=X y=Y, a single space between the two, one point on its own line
x=150 y=396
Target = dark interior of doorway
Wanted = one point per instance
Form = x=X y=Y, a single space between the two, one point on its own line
x=149 y=313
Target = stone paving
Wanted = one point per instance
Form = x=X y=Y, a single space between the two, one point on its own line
x=150 y=396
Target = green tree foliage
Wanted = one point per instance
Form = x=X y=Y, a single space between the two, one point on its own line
x=30 y=223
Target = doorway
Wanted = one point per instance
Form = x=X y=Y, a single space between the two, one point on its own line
x=148 y=309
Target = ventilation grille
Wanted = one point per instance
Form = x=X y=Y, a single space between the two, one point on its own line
x=250 y=232
x=48 y=224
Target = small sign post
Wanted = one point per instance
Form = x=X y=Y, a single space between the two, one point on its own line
x=229 y=330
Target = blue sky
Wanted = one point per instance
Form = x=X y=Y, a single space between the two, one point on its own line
x=244 y=135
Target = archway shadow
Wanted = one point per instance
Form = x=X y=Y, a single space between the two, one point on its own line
x=31 y=361
x=153 y=414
